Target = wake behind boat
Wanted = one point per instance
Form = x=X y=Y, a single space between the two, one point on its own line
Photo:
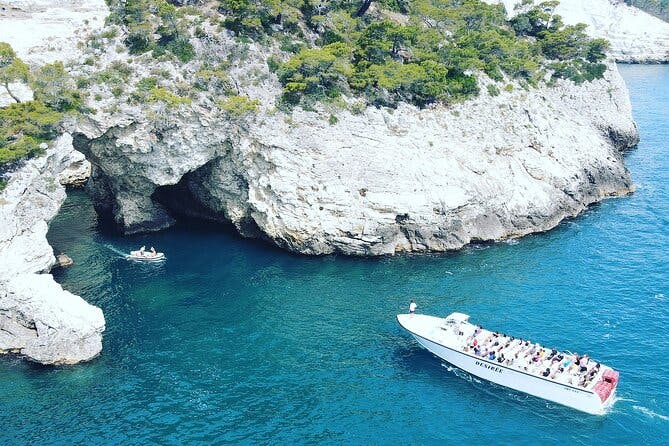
x=564 y=378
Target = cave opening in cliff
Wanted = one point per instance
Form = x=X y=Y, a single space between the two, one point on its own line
x=187 y=208
x=183 y=205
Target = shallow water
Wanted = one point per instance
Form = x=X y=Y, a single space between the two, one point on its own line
x=231 y=340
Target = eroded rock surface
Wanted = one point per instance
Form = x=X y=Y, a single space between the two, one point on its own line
x=43 y=31
x=38 y=319
x=47 y=324
x=377 y=182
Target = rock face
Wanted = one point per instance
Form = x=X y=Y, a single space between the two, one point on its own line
x=42 y=31
x=41 y=321
x=635 y=35
x=76 y=168
x=38 y=319
x=377 y=182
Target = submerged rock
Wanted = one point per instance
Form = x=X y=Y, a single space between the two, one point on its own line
x=63 y=260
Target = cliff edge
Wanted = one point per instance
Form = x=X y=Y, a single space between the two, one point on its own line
x=38 y=319
x=635 y=36
x=372 y=182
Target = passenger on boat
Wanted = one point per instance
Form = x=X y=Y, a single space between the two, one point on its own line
x=141 y=250
x=153 y=251
x=567 y=362
x=557 y=372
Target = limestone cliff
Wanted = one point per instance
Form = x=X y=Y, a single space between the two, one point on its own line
x=44 y=31
x=38 y=319
x=375 y=182
x=635 y=35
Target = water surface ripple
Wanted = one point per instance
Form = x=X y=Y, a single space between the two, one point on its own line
x=232 y=341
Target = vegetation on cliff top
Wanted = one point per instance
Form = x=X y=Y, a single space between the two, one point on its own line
x=24 y=126
x=419 y=51
x=386 y=51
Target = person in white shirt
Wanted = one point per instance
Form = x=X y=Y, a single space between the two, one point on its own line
x=412 y=307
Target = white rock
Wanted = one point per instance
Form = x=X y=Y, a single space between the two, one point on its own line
x=42 y=31
x=380 y=182
x=19 y=90
x=38 y=319
x=47 y=324
x=75 y=168
x=635 y=35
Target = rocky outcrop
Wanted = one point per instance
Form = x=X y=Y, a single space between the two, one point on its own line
x=377 y=182
x=76 y=168
x=635 y=35
x=38 y=319
x=43 y=322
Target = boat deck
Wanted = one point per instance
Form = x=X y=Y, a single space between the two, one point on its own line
x=520 y=354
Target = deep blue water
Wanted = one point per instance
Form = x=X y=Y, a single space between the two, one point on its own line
x=231 y=340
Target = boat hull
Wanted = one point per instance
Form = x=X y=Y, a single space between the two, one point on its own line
x=570 y=396
x=135 y=255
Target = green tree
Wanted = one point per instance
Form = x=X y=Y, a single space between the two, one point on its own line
x=55 y=88
x=318 y=72
x=23 y=127
x=12 y=69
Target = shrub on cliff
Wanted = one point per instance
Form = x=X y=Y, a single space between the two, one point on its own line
x=430 y=55
x=318 y=73
x=23 y=127
x=12 y=69
x=153 y=25
x=170 y=99
x=424 y=51
x=238 y=106
x=54 y=87
x=578 y=56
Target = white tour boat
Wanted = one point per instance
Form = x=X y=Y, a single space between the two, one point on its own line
x=563 y=378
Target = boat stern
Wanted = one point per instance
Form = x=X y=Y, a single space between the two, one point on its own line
x=606 y=387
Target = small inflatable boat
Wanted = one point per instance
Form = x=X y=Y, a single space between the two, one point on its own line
x=146 y=256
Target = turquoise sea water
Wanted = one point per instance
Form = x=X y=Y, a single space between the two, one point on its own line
x=233 y=341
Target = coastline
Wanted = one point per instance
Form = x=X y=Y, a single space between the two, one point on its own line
x=247 y=177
